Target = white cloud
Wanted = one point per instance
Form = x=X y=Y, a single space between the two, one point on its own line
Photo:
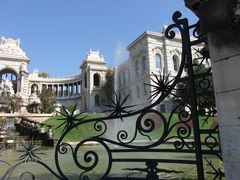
x=120 y=53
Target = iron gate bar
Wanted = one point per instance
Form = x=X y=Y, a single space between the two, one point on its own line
x=157 y=160
x=184 y=28
x=153 y=150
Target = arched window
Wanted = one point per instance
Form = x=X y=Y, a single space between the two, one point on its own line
x=124 y=78
x=119 y=80
x=97 y=100
x=96 y=79
x=144 y=64
x=138 y=92
x=11 y=76
x=158 y=61
x=175 y=63
x=85 y=80
x=130 y=95
x=144 y=88
x=136 y=68
x=34 y=89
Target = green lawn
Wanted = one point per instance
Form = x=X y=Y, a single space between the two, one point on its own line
x=119 y=168
x=81 y=132
x=87 y=130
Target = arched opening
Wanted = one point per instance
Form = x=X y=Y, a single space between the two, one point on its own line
x=34 y=89
x=96 y=79
x=9 y=76
x=97 y=100
x=158 y=61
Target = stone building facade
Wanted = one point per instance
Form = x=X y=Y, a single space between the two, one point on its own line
x=151 y=53
x=83 y=89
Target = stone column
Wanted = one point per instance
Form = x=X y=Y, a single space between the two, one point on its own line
x=62 y=92
x=219 y=19
x=66 y=90
x=22 y=83
x=57 y=90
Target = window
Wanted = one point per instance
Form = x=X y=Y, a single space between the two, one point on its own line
x=129 y=78
x=96 y=79
x=119 y=80
x=85 y=103
x=130 y=95
x=175 y=63
x=145 y=88
x=136 y=68
x=34 y=89
x=124 y=78
x=97 y=100
x=138 y=92
x=85 y=80
x=158 y=61
x=144 y=64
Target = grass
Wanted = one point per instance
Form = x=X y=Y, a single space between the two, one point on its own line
x=81 y=132
x=87 y=130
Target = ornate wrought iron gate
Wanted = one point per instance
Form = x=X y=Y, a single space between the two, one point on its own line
x=179 y=132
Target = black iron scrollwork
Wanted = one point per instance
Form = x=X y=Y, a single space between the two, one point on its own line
x=179 y=128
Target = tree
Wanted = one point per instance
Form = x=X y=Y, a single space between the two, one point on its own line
x=203 y=87
x=108 y=86
x=47 y=98
x=14 y=102
x=43 y=74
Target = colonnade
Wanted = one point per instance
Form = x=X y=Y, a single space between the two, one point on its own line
x=62 y=90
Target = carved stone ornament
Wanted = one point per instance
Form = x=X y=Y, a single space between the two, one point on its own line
x=213 y=14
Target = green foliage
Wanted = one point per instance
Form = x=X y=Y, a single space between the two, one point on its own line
x=43 y=74
x=204 y=90
x=108 y=86
x=14 y=102
x=48 y=99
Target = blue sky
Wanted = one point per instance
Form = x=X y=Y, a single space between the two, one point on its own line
x=57 y=34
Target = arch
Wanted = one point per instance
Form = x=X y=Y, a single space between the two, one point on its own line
x=34 y=89
x=96 y=79
x=9 y=69
x=158 y=61
x=10 y=74
x=175 y=60
x=97 y=100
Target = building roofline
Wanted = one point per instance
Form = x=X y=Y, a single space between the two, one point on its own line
x=145 y=33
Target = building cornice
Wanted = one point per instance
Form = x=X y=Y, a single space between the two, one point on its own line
x=15 y=59
x=153 y=34
x=64 y=80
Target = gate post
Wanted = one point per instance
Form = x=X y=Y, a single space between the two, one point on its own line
x=220 y=20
